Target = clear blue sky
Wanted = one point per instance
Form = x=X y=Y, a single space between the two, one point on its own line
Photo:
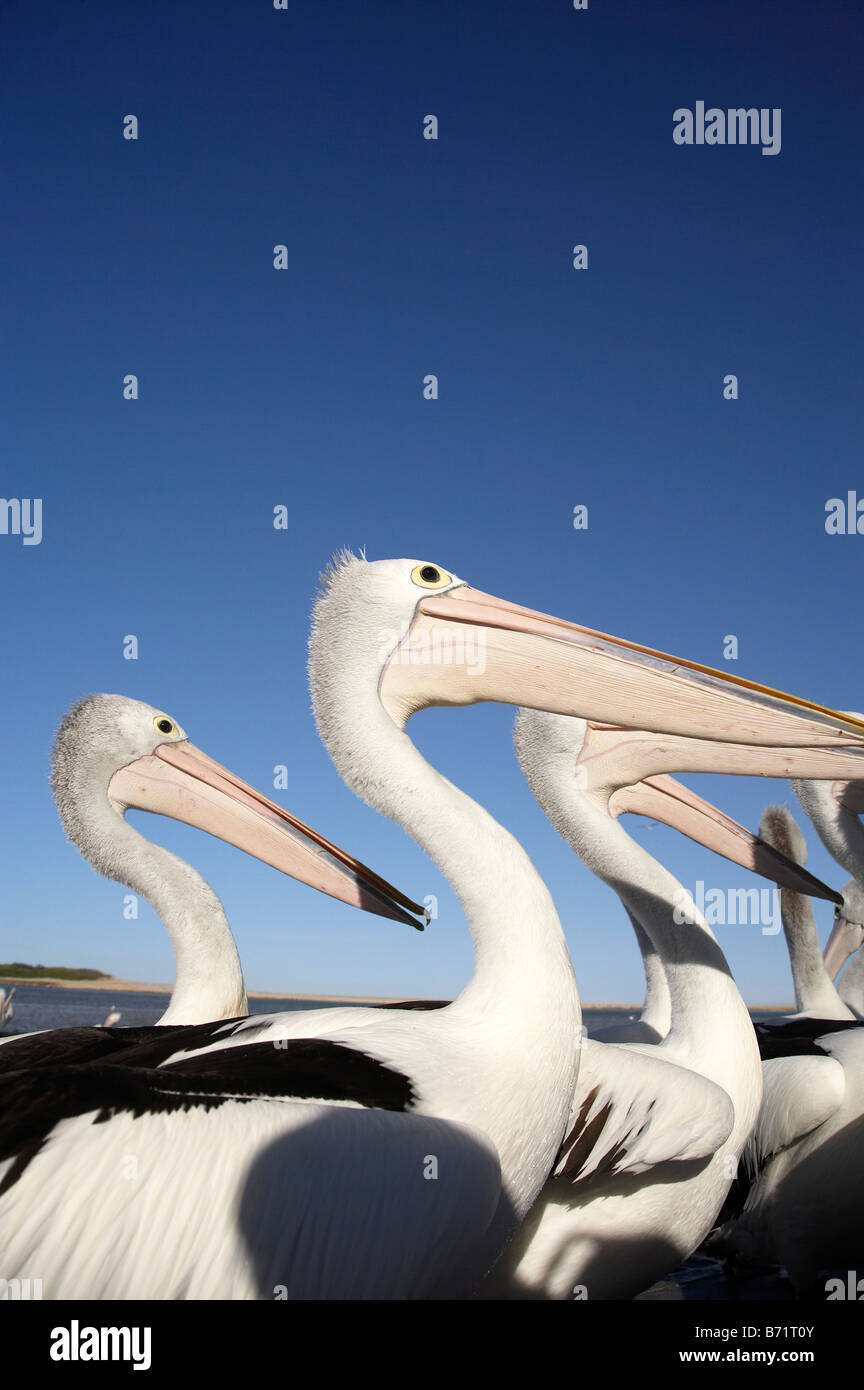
x=304 y=387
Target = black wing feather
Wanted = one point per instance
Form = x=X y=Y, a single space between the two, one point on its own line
x=799 y=1037
x=72 y=1046
x=35 y=1101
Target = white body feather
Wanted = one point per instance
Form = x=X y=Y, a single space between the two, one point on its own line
x=669 y=1121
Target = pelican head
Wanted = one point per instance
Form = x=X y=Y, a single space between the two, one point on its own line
x=395 y=636
x=847 y=933
x=113 y=754
x=551 y=749
x=778 y=827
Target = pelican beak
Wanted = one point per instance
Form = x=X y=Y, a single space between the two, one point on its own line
x=664 y=799
x=845 y=939
x=464 y=646
x=180 y=781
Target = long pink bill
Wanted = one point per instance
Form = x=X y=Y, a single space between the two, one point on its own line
x=667 y=800
x=180 y=781
x=464 y=646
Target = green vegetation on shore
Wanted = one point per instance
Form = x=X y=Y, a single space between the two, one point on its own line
x=19 y=971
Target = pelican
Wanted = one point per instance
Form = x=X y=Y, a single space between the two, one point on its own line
x=800 y=1199
x=372 y=1153
x=7 y=1008
x=847 y=936
x=655 y=1130
x=114 y=1017
x=834 y=810
x=815 y=995
x=113 y=754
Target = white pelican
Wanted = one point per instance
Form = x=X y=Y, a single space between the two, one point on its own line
x=114 y=1017
x=371 y=1153
x=7 y=1008
x=655 y=1130
x=815 y=994
x=800 y=1203
x=846 y=939
x=113 y=754
x=834 y=810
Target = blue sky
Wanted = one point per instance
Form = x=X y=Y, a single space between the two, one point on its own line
x=304 y=387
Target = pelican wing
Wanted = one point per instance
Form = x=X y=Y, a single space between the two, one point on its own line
x=210 y=1191
x=798 y=1094
x=54 y=1047
x=145 y=1046
x=632 y=1111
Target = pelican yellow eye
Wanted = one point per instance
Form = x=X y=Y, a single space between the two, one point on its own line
x=164 y=726
x=430 y=577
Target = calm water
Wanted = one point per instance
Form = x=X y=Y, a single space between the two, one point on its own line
x=39 y=1006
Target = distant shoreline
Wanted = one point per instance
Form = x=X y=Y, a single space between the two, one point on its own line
x=109 y=985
